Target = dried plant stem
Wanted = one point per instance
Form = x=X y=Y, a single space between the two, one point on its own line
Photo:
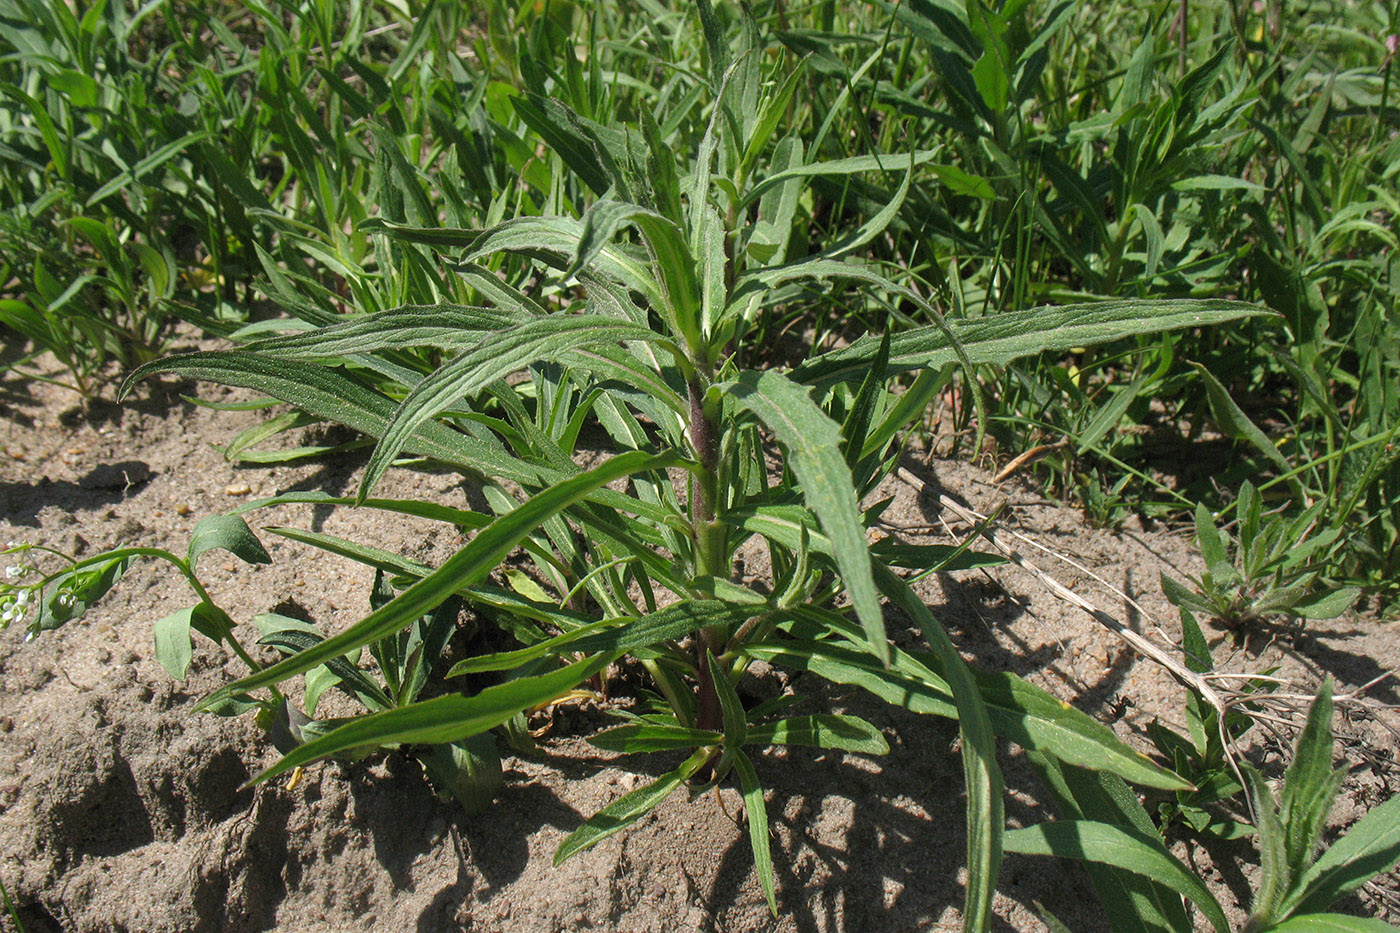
x=1180 y=672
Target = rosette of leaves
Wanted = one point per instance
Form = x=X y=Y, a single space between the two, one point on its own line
x=1275 y=568
x=646 y=297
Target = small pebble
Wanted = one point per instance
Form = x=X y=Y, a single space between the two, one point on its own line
x=237 y=489
x=229 y=568
x=182 y=510
x=7 y=724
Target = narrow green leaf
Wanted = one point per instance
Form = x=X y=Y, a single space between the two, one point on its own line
x=1234 y=422
x=1370 y=847
x=1328 y=605
x=824 y=730
x=813 y=443
x=1310 y=785
x=469 y=565
x=446 y=327
x=335 y=396
x=1330 y=923
x=505 y=353
x=1208 y=537
x=1274 y=879
x=448 y=718
x=1020 y=712
x=1132 y=902
x=1002 y=338
x=617 y=634
x=1119 y=846
x=758 y=828
x=736 y=729
x=986 y=819
x=654 y=737
x=628 y=808
x=142 y=168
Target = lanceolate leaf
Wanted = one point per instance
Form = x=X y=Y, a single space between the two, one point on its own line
x=654 y=737
x=1002 y=338
x=813 y=443
x=986 y=818
x=444 y=719
x=666 y=243
x=1332 y=923
x=1310 y=785
x=1020 y=712
x=824 y=730
x=446 y=327
x=1370 y=847
x=504 y=353
x=469 y=565
x=1119 y=846
x=1237 y=424
x=335 y=396
x=550 y=239
x=1133 y=902
x=628 y=808
x=758 y=827
x=674 y=621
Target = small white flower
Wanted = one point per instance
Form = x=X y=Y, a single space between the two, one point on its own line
x=13 y=572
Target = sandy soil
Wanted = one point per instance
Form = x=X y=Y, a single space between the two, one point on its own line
x=120 y=808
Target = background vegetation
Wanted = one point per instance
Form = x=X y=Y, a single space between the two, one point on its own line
x=200 y=163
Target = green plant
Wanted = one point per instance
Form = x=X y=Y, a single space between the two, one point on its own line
x=647 y=302
x=1141 y=884
x=1203 y=756
x=1275 y=569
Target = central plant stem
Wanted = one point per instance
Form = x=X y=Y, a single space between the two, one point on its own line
x=709 y=542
